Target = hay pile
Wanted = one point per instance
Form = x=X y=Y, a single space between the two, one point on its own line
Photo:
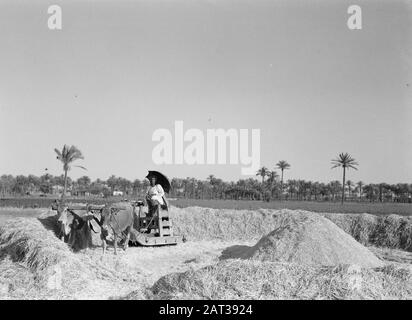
x=249 y=279
x=305 y=256
x=308 y=238
x=26 y=244
x=197 y=223
x=392 y=231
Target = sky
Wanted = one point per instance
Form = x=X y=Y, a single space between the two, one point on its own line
x=119 y=70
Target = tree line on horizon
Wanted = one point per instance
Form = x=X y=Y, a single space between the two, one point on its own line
x=210 y=188
x=271 y=187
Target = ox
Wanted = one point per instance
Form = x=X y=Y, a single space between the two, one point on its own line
x=64 y=221
x=119 y=220
x=73 y=228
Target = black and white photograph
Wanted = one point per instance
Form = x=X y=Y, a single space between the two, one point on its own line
x=213 y=150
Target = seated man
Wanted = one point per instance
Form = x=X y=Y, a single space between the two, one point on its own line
x=154 y=195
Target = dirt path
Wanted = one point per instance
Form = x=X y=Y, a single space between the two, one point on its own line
x=139 y=267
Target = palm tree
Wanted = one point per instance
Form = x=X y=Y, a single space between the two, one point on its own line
x=67 y=156
x=211 y=178
x=383 y=189
x=333 y=188
x=212 y=181
x=345 y=161
x=263 y=172
x=360 y=185
x=273 y=176
x=350 y=184
x=370 y=191
x=282 y=165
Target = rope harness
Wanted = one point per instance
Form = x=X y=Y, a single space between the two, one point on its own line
x=113 y=214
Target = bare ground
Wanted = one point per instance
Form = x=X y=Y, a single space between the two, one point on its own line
x=140 y=267
x=115 y=276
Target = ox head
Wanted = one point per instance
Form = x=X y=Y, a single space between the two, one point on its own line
x=55 y=205
x=113 y=218
x=68 y=221
x=105 y=217
x=64 y=222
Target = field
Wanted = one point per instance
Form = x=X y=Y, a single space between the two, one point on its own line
x=9 y=213
x=333 y=207
x=31 y=202
x=36 y=265
x=377 y=208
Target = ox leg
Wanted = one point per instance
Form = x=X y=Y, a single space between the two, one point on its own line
x=72 y=238
x=126 y=242
x=61 y=234
x=104 y=244
x=115 y=243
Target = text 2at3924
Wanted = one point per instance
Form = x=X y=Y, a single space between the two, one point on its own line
x=207 y=309
x=227 y=309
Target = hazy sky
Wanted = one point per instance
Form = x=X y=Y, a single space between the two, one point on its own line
x=118 y=70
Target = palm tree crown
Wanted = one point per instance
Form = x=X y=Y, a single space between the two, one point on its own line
x=263 y=172
x=273 y=175
x=283 y=165
x=67 y=156
x=345 y=161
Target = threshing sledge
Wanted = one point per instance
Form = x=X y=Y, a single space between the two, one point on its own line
x=153 y=228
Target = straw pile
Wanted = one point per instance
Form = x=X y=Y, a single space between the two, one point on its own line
x=305 y=256
x=24 y=242
x=308 y=238
x=197 y=223
x=251 y=279
x=392 y=231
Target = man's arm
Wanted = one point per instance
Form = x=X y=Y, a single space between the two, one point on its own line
x=160 y=190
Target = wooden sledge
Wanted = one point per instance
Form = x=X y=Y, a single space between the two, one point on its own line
x=154 y=228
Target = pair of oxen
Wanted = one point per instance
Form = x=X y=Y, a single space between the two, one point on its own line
x=114 y=221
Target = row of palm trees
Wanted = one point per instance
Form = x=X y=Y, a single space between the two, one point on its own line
x=344 y=160
x=83 y=186
x=272 y=174
x=70 y=154
x=302 y=190
x=210 y=188
x=249 y=188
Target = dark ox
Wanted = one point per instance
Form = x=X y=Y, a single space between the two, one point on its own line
x=74 y=229
x=118 y=220
x=65 y=222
